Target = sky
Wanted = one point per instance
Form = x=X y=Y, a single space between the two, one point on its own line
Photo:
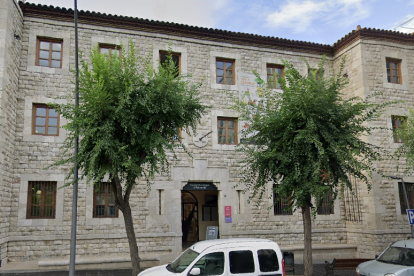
x=318 y=21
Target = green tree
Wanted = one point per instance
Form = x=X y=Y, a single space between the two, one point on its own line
x=307 y=140
x=129 y=113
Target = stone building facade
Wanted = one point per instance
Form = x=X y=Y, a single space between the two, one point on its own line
x=360 y=224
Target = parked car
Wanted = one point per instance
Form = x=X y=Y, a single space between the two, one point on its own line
x=396 y=260
x=252 y=257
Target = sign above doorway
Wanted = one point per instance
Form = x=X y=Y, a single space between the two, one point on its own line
x=199 y=186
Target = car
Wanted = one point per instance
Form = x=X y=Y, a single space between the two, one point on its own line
x=396 y=260
x=224 y=257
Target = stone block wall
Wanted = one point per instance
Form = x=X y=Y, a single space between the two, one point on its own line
x=24 y=156
x=11 y=19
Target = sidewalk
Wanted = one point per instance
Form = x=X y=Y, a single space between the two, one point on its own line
x=318 y=270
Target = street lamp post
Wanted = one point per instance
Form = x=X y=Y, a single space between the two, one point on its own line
x=406 y=198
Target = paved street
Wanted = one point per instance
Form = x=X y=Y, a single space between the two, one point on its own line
x=319 y=270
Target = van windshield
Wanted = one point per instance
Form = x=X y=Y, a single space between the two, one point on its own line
x=182 y=262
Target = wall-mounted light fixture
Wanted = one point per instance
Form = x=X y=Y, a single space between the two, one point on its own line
x=16 y=36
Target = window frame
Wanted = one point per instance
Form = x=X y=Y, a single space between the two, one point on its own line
x=161 y=52
x=398 y=62
x=274 y=66
x=50 y=41
x=410 y=194
x=227 y=119
x=107 y=185
x=395 y=127
x=325 y=204
x=34 y=113
x=233 y=70
x=110 y=47
x=42 y=200
x=281 y=206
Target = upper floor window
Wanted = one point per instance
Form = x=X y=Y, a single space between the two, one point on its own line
x=176 y=58
x=45 y=120
x=325 y=206
x=281 y=205
x=410 y=194
x=272 y=72
x=49 y=52
x=397 y=124
x=227 y=131
x=393 y=70
x=225 y=71
x=110 y=50
x=104 y=201
x=41 y=200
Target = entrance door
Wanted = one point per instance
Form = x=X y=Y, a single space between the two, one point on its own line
x=189 y=217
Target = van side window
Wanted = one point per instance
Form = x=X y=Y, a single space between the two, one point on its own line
x=241 y=261
x=268 y=260
x=211 y=264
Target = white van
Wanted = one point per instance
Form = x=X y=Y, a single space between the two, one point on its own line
x=225 y=257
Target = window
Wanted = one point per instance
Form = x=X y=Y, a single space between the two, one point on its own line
x=104 y=201
x=268 y=261
x=225 y=71
x=325 y=206
x=281 y=206
x=41 y=200
x=211 y=264
x=241 y=262
x=272 y=72
x=393 y=70
x=410 y=194
x=176 y=58
x=398 y=123
x=110 y=50
x=45 y=120
x=49 y=53
x=227 y=131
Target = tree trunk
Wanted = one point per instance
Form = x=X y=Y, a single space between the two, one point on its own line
x=307 y=230
x=122 y=202
x=132 y=241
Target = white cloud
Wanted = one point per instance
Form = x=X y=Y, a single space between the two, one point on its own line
x=299 y=15
x=406 y=25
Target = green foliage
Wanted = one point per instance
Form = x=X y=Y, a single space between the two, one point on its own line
x=308 y=138
x=406 y=149
x=127 y=115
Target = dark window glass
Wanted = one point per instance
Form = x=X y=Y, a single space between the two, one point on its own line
x=398 y=123
x=241 y=262
x=268 y=260
x=326 y=205
x=110 y=50
x=176 y=58
x=104 y=201
x=227 y=131
x=410 y=194
x=281 y=206
x=225 y=71
x=393 y=70
x=272 y=72
x=41 y=199
x=211 y=264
